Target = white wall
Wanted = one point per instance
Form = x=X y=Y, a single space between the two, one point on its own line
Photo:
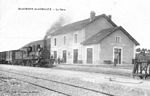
x=96 y=53
x=69 y=46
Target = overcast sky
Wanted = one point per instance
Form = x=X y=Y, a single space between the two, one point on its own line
x=19 y=27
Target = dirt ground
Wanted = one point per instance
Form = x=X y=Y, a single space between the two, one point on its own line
x=118 y=86
x=12 y=87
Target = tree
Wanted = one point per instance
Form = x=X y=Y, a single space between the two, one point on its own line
x=138 y=50
x=148 y=50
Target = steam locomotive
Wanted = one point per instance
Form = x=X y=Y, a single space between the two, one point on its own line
x=27 y=56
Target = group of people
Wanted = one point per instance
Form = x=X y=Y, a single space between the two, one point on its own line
x=57 y=60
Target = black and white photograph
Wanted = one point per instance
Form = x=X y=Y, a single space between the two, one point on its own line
x=74 y=48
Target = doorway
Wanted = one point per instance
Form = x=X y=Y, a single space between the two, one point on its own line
x=75 y=57
x=55 y=54
x=64 y=56
x=89 y=55
x=117 y=55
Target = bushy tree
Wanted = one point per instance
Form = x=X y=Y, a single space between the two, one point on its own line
x=144 y=50
x=138 y=50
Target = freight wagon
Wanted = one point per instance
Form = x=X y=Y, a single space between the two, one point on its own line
x=10 y=57
x=3 y=57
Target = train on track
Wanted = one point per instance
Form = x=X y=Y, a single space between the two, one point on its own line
x=41 y=57
x=26 y=56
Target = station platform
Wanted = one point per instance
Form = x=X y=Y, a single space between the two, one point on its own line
x=120 y=70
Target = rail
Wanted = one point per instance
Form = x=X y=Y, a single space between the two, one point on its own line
x=54 y=81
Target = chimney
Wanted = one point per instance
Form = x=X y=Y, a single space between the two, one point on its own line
x=109 y=16
x=92 y=15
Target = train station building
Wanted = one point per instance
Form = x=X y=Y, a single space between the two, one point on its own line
x=95 y=40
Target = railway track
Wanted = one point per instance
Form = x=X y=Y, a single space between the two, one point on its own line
x=34 y=80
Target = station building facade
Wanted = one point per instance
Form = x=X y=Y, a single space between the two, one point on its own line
x=95 y=40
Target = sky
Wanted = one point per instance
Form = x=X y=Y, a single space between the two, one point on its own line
x=19 y=27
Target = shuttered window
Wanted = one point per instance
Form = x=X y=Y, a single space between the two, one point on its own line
x=75 y=38
x=64 y=40
x=118 y=39
x=55 y=41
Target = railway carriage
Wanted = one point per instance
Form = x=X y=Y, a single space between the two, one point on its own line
x=3 y=57
x=9 y=57
x=14 y=57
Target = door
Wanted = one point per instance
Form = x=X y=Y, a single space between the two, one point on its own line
x=89 y=55
x=75 y=57
x=55 y=54
x=64 y=56
x=117 y=55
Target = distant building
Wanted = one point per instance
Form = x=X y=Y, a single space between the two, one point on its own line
x=95 y=40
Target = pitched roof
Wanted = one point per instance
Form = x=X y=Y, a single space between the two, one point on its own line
x=130 y=37
x=79 y=25
x=105 y=33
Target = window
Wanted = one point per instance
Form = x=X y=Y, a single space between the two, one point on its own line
x=75 y=38
x=118 y=39
x=55 y=42
x=64 y=40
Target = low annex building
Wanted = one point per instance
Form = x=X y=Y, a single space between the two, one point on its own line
x=96 y=40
